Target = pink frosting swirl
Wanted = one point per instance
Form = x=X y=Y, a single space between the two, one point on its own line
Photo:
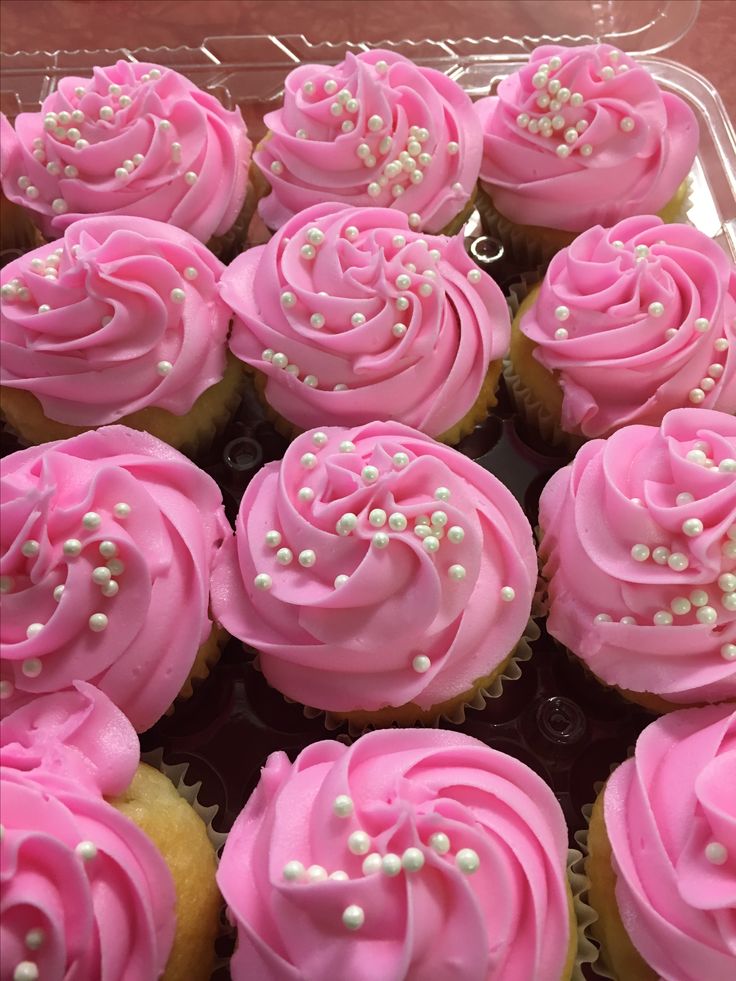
x=363 y=343
x=373 y=130
x=108 y=539
x=125 y=315
x=387 y=834
x=333 y=577
x=640 y=551
x=671 y=819
x=83 y=892
x=583 y=136
x=636 y=320
x=135 y=139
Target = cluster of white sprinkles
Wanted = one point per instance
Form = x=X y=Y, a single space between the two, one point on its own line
x=358 y=843
x=707 y=606
x=431 y=528
x=552 y=118
x=401 y=166
x=35 y=938
x=410 y=281
x=63 y=128
x=102 y=576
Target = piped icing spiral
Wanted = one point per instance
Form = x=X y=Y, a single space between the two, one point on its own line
x=583 y=136
x=374 y=130
x=670 y=816
x=124 y=315
x=375 y=567
x=352 y=316
x=413 y=854
x=639 y=545
x=83 y=892
x=135 y=139
x=636 y=320
x=108 y=540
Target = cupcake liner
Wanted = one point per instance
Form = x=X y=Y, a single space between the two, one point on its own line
x=587 y=951
x=456 y=715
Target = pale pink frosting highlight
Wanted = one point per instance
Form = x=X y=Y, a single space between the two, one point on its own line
x=109 y=915
x=385 y=106
x=634 y=147
x=159 y=555
x=185 y=157
x=135 y=321
x=663 y=809
x=625 y=492
x=427 y=378
x=650 y=315
x=507 y=921
x=353 y=646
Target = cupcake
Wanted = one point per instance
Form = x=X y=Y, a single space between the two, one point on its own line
x=350 y=316
x=639 y=547
x=121 y=323
x=374 y=130
x=381 y=576
x=105 y=870
x=629 y=322
x=662 y=843
x=107 y=540
x=579 y=137
x=134 y=140
x=412 y=854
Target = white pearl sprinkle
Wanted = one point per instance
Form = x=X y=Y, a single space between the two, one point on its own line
x=294 y=871
x=439 y=842
x=727 y=465
x=311 y=381
x=30 y=548
x=71 y=547
x=190 y=272
x=660 y=554
x=663 y=618
x=607 y=73
x=263 y=581
x=716 y=853
x=377 y=517
x=391 y=864
x=276 y=167
x=720 y=344
x=681 y=605
x=727 y=582
x=284 y=556
x=508 y=594
x=455 y=534
x=177 y=295
x=343 y=806
x=34 y=939
x=307 y=558
x=696 y=396
x=692 y=527
x=467 y=861
x=25 y=971
x=32 y=667
x=359 y=843
x=412 y=860
x=715 y=370
x=400 y=460
x=97 y=622
x=640 y=552
x=397 y=522
x=421 y=663
x=190 y=177
x=371 y=864
x=346 y=446
x=369 y=474
x=273 y=539
x=6 y=584
x=561 y=334
x=309 y=460
x=431 y=543
x=86 y=850
x=341 y=580
x=562 y=312
x=353 y=917
x=33 y=630
x=317 y=321
x=305 y=494
x=656 y=309
x=380 y=540
x=627 y=123
x=6 y=691
x=698 y=597
x=457 y=572
x=707 y=614
x=101 y=575
x=442 y=494
x=678 y=561
x=316 y=873
x=728 y=652
x=110 y=589
x=288 y=299
x=728 y=601
x=59 y=206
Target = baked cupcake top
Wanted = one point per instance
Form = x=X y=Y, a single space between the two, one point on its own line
x=413 y=853
x=670 y=816
x=583 y=136
x=108 y=539
x=635 y=320
x=124 y=315
x=84 y=892
x=375 y=567
x=374 y=130
x=351 y=316
x=639 y=541
x=135 y=139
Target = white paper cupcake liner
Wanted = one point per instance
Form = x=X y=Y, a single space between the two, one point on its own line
x=587 y=952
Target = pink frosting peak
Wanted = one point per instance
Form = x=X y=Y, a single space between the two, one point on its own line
x=135 y=139
x=124 y=315
x=413 y=854
x=103 y=537
x=671 y=818
x=640 y=551
x=83 y=892
x=374 y=130
x=374 y=320
x=648 y=313
x=583 y=136
x=375 y=567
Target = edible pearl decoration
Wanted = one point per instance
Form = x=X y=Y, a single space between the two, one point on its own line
x=359 y=843
x=508 y=594
x=343 y=806
x=353 y=917
x=467 y=861
x=716 y=853
x=87 y=850
x=412 y=860
x=25 y=971
x=263 y=581
x=421 y=663
x=307 y=558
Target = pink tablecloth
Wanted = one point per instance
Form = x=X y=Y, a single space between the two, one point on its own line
x=50 y=24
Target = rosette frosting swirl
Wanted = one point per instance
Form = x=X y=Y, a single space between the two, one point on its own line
x=374 y=130
x=375 y=567
x=123 y=316
x=107 y=539
x=135 y=139
x=640 y=551
x=583 y=136
x=83 y=892
x=413 y=854
x=352 y=317
x=670 y=816
x=636 y=320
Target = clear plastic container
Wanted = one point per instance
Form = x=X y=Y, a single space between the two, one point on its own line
x=249 y=71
